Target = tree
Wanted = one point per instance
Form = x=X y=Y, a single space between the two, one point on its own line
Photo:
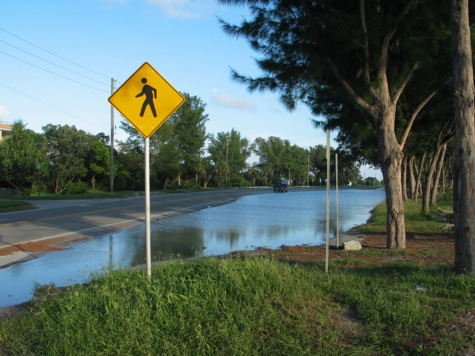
x=67 y=151
x=190 y=134
x=362 y=54
x=176 y=148
x=271 y=153
x=97 y=160
x=464 y=164
x=228 y=152
x=22 y=157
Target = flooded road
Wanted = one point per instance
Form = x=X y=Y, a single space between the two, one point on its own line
x=261 y=220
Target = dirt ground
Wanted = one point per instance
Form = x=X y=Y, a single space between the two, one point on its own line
x=423 y=248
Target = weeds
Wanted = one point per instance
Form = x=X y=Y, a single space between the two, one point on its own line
x=247 y=306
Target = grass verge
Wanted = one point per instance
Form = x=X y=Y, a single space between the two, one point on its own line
x=250 y=306
x=8 y=206
x=416 y=220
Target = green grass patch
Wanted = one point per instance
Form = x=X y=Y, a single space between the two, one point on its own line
x=249 y=306
x=416 y=220
x=89 y=195
x=7 y=206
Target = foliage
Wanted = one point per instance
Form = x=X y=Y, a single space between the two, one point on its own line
x=77 y=188
x=22 y=157
x=67 y=151
x=228 y=154
x=176 y=148
x=72 y=160
x=97 y=161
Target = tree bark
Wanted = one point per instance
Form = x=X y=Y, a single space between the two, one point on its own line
x=419 y=176
x=464 y=160
x=430 y=180
x=412 y=177
x=440 y=167
x=391 y=159
x=404 y=179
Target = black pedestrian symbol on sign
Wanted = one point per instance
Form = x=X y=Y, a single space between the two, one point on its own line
x=150 y=94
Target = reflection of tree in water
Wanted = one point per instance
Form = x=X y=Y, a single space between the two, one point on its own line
x=172 y=244
x=230 y=235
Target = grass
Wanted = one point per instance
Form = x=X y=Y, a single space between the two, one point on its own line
x=416 y=220
x=7 y=206
x=88 y=195
x=249 y=306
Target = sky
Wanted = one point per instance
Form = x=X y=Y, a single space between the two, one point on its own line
x=58 y=58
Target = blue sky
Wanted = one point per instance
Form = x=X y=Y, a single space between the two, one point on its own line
x=58 y=57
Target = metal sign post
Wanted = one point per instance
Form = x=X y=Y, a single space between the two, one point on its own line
x=327 y=236
x=148 y=244
x=147 y=100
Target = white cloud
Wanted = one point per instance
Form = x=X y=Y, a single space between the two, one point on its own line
x=233 y=103
x=185 y=8
x=3 y=113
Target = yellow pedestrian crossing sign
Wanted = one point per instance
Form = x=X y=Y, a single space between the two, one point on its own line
x=146 y=100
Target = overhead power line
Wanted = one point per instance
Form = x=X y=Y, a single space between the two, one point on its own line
x=59 y=75
x=51 y=106
x=56 y=55
x=57 y=65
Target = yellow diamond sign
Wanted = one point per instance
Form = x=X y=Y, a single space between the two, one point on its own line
x=146 y=100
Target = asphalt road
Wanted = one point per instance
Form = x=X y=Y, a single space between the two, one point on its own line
x=63 y=218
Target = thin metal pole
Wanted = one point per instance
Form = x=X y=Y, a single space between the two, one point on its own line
x=308 y=166
x=147 y=210
x=112 y=141
x=336 y=197
x=327 y=239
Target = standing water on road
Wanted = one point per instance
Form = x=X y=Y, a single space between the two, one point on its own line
x=261 y=220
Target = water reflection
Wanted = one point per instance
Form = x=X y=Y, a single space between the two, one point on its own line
x=269 y=220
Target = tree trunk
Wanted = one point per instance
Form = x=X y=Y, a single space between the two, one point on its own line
x=429 y=181
x=391 y=161
x=440 y=167
x=412 y=177
x=464 y=162
x=419 y=176
x=404 y=178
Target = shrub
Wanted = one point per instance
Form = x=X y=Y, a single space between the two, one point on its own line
x=77 y=188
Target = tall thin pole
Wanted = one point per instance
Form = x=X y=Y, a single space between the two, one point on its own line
x=308 y=166
x=327 y=239
x=147 y=210
x=111 y=177
x=336 y=197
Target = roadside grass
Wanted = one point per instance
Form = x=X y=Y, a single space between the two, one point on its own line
x=249 y=306
x=416 y=220
x=88 y=195
x=7 y=206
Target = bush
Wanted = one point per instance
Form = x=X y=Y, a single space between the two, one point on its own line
x=238 y=181
x=77 y=188
x=183 y=185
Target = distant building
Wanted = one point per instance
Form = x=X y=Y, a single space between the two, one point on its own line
x=5 y=130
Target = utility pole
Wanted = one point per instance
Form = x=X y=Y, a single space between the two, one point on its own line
x=112 y=141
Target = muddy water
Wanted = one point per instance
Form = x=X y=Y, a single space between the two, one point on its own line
x=267 y=220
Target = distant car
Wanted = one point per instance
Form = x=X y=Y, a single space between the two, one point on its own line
x=280 y=187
